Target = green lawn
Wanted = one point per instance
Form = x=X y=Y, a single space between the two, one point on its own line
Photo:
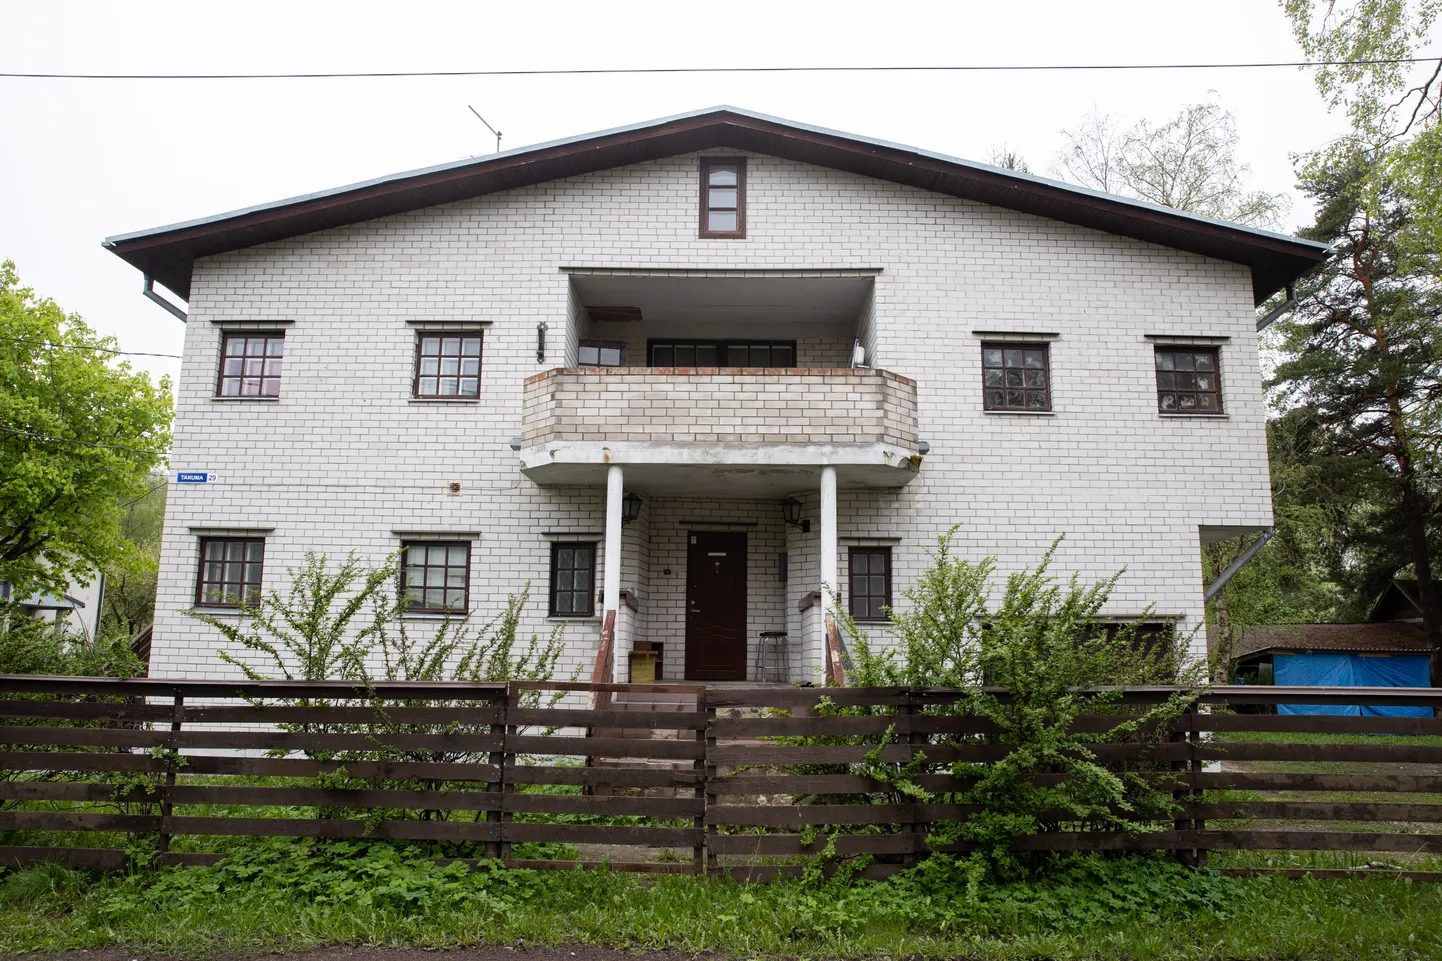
x=291 y=896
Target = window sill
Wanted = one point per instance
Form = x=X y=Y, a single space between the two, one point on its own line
x=563 y=619
x=221 y=611
x=445 y=400
x=1023 y=413
x=1171 y=416
x=251 y=400
x=874 y=621
x=436 y=616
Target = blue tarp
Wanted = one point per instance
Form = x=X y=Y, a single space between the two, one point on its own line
x=1350 y=670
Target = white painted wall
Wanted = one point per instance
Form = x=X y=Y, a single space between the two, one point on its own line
x=345 y=456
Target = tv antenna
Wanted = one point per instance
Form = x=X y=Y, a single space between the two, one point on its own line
x=488 y=126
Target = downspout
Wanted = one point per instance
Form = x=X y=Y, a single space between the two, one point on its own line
x=1278 y=311
x=149 y=291
x=1215 y=587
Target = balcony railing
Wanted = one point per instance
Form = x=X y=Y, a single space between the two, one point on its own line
x=707 y=405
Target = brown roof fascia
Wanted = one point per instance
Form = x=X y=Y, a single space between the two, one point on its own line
x=170 y=255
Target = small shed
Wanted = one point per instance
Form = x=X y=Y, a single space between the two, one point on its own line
x=1375 y=654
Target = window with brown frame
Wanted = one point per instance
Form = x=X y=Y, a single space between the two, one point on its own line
x=230 y=571
x=601 y=353
x=1015 y=377
x=436 y=576
x=723 y=197
x=448 y=365
x=573 y=579
x=722 y=353
x=1189 y=380
x=870 y=582
x=250 y=365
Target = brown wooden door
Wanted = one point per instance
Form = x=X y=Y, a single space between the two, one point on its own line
x=716 y=606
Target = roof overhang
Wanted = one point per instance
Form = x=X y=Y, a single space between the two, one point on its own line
x=169 y=253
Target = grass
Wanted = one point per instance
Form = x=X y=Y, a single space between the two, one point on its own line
x=288 y=897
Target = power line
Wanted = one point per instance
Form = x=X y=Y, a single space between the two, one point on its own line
x=103 y=350
x=83 y=443
x=611 y=71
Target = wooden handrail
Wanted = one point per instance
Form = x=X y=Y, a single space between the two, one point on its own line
x=835 y=669
x=604 y=670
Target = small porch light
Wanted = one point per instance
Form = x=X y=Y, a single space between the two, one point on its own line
x=791 y=511
x=630 y=507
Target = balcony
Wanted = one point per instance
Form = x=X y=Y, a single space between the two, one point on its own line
x=732 y=431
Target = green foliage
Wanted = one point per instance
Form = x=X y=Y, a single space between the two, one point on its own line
x=29 y=646
x=1049 y=647
x=282 y=896
x=303 y=635
x=79 y=435
x=129 y=601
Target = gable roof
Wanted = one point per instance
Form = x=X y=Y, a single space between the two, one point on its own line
x=1398 y=602
x=169 y=253
x=1384 y=636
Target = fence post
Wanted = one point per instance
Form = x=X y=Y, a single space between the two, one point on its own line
x=698 y=853
x=913 y=825
x=709 y=783
x=172 y=748
x=499 y=849
x=1194 y=763
x=1181 y=793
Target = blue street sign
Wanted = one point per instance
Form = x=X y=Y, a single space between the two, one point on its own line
x=193 y=477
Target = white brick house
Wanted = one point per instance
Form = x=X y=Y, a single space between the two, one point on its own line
x=821 y=350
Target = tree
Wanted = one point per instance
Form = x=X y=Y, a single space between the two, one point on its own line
x=1361 y=360
x=79 y=436
x=128 y=604
x=1189 y=162
x=1007 y=159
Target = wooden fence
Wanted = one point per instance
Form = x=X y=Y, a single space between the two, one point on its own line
x=663 y=778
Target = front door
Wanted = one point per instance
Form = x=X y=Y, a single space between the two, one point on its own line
x=716 y=606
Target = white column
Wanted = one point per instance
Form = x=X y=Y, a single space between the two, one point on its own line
x=611 y=578
x=829 y=579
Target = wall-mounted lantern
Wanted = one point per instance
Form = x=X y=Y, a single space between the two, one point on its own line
x=791 y=512
x=630 y=507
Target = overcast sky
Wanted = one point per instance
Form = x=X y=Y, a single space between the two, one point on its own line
x=82 y=160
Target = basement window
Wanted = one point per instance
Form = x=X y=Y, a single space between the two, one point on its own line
x=723 y=197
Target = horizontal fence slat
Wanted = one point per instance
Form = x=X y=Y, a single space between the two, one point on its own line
x=1266 y=781
x=603 y=805
x=782 y=816
x=796 y=784
x=600 y=834
x=603 y=747
x=1336 y=874
x=77 y=821
x=1315 y=811
x=634 y=867
x=338 y=714
x=617 y=776
x=131 y=711
x=1269 y=751
x=781 y=845
x=332 y=828
x=90 y=859
x=574 y=717
x=56 y=761
x=244 y=795
x=1312 y=724
x=304 y=767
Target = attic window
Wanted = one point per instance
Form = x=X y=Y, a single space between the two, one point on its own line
x=723 y=197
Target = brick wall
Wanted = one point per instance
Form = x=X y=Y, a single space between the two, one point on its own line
x=729 y=406
x=345 y=458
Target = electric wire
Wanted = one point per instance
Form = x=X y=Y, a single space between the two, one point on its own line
x=615 y=71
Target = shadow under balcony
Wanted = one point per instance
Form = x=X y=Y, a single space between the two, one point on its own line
x=734 y=432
